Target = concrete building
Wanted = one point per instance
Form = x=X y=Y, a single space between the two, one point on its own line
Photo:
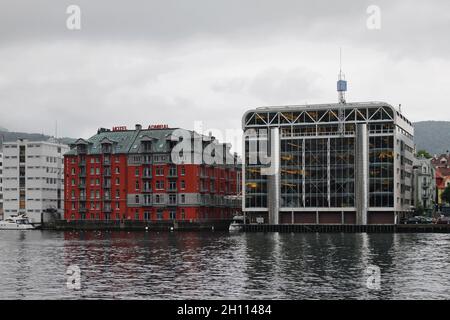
x=424 y=185
x=1 y=184
x=337 y=163
x=121 y=175
x=33 y=177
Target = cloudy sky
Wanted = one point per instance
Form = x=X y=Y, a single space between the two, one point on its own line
x=181 y=61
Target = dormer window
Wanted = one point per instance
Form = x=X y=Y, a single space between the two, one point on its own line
x=106 y=148
x=146 y=146
x=81 y=146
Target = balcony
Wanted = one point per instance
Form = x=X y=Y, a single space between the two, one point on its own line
x=146 y=189
x=82 y=198
x=147 y=202
x=107 y=185
x=147 y=175
x=107 y=209
x=82 y=185
x=107 y=197
x=107 y=173
x=172 y=174
x=82 y=210
x=82 y=174
x=147 y=160
x=172 y=189
x=106 y=162
x=82 y=163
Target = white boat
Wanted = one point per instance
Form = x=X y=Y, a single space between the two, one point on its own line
x=237 y=224
x=16 y=223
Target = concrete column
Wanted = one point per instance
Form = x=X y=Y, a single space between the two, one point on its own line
x=361 y=173
x=273 y=178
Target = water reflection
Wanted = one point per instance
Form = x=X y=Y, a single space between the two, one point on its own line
x=205 y=265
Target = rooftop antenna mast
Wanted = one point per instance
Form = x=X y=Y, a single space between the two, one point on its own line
x=341 y=89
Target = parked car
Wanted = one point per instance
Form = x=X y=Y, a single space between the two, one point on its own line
x=443 y=220
x=425 y=220
x=418 y=220
x=413 y=220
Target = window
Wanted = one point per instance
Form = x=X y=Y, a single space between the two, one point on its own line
x=146 y=215
x=117 y=170
x=160 y=184
x=136 y=172
x=183 y=198
x=183 y=214
x=137 y=185
x=183 y=171
x=117 y=181
x=173 y=214
x=117 y=194
x=183 y=184
x=136 y=199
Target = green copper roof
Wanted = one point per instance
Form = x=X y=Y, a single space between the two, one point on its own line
x=128 y=141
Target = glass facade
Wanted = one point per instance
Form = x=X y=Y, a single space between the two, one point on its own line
x=255 y=182
x=342 y=172
x=316 y=173
x=381 y=171
x=291 y=171
x=318 y=160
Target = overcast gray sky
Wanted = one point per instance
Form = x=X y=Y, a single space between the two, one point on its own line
x=181 y=61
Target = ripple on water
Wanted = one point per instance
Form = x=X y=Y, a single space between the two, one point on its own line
x=185 y=265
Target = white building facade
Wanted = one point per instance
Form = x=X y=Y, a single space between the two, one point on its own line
x=33 y=178
x=424 y=185
x=1 y=185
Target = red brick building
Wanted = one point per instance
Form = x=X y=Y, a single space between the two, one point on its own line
x=128 y=175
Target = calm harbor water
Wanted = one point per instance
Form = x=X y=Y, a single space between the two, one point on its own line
x=213 y=265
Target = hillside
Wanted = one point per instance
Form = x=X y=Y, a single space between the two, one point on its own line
x=6 y=135
x=433 y=136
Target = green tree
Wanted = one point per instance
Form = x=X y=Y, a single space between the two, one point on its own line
x=445 y=196
x=424 y=154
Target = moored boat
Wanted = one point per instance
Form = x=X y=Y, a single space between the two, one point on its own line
x=19 y=222
x=237 y=224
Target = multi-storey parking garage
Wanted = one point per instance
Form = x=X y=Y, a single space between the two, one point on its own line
x=344 y=163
